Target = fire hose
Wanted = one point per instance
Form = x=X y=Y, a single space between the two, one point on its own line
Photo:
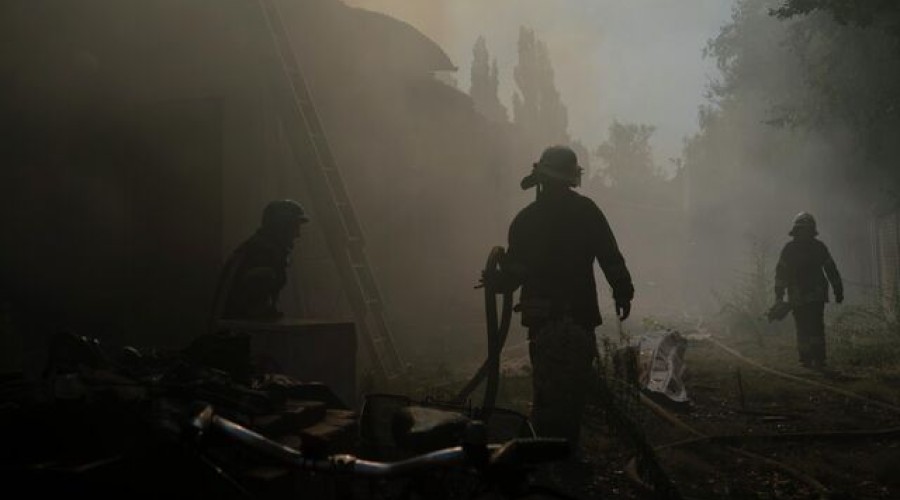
x=698 y=436
x=730 y=440
x=497 y=331
x=836 y=390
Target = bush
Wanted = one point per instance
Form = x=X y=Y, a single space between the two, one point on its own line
x=743 y=308
x=864 y=335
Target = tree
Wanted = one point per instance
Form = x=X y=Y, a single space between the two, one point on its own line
x=485 y=82
x=803 y=117
x=849 y=53
x=584 y=157
x=537 y=107
x=884 y=14
x=626 y=156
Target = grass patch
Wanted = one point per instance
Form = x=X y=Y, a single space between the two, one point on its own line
x=864 y=336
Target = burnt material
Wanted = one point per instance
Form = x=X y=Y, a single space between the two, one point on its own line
x=115 y=425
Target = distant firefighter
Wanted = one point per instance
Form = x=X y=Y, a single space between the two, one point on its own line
x=553 y=244
x=802 y=269
x=252 y=279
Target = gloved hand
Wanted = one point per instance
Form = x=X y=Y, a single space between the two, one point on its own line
x=497 y=281
x=839 y=297
x=778 y=311
x=623 y=309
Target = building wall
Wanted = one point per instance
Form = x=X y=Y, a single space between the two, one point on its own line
x=175 y=100
x=135 y=158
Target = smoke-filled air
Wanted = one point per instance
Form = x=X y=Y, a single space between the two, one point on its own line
x=530 y=248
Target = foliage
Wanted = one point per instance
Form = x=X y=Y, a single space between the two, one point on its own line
x=583 y=154
x=626 y=156
x=809 y=71
x=864 y=335
x=735 y=139
x=851 y=80
x=829 y=69
x=803 y=116
x=863 y=13
x=485 y=82
x=537 y=107
x=744 y=307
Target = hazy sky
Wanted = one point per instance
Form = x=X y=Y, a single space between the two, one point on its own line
x=634 y=60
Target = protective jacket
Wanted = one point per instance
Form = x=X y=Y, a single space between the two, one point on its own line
x=252 y=279
x=800 y=272
x=553 y=243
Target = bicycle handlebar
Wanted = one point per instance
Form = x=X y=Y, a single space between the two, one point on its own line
x=517 y=452
x=337 y=464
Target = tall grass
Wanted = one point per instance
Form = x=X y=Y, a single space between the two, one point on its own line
x=865 y=335
x=743 y=307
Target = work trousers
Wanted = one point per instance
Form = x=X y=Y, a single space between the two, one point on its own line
x=562 y=356
x=810 y=321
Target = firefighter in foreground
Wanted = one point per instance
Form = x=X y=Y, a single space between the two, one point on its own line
x=800 y=273
x=253 y=277
x=553 y=243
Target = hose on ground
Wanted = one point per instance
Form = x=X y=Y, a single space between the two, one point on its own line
x=820 y=488
x=813 y=383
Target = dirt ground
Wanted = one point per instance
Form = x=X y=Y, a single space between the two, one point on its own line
x=757 y=420
x=731 y=397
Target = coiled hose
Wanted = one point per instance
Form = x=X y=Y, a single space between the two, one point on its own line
x=497 y=331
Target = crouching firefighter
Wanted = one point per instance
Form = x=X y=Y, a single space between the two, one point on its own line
x=553 y=243
x=251 y=281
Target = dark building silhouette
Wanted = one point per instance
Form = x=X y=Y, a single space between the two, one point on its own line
x=140 y=139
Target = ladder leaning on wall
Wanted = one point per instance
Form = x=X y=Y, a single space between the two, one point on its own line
x=312 y=155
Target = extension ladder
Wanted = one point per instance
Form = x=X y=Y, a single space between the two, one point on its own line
x=343 y=235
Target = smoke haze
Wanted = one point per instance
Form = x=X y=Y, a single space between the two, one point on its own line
x=434 y=181
x=638 y=61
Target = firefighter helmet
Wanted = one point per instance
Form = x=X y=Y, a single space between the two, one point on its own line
x=804 y=222
x=283 y=212
x=558 y=164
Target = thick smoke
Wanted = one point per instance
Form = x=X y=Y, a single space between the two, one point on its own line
x=159 y=137
x=637 y=61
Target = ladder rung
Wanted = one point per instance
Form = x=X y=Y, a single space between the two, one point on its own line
x=314 y=156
